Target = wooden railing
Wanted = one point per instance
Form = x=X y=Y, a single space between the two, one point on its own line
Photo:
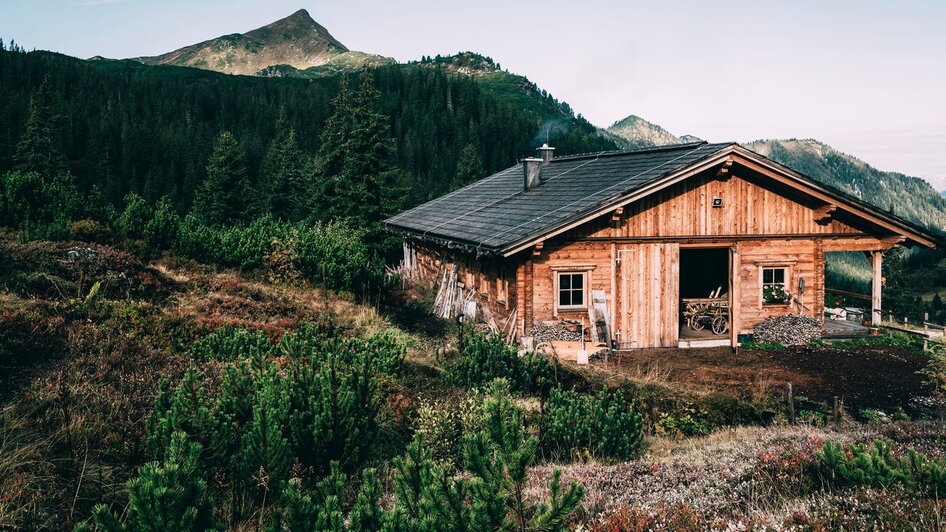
x=852 y=295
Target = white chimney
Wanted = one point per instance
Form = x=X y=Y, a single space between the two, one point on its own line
x=545 y=153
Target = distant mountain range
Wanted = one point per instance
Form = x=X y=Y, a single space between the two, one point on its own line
x=910 y=197
x=298 y=46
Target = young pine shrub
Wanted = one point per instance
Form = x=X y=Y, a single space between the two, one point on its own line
x=161 y=230
x=232 y=343
x=167 y=495
x=484 y=358
x=604 y=425
x=265 y=452
x=185 y=409
x=133 y=219
x=489 y=494
x=499 y=454
x=877 y=466
x=338 y=257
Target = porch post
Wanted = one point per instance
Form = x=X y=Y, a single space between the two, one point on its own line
x=876 y=258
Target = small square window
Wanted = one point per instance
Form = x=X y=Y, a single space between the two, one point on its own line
x=571 y=290
x=774 y=285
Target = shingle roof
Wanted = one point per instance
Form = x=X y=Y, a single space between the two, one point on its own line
x=495 y=212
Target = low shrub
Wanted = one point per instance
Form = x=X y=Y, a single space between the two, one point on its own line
x=877 y=466
x=87 y=230
x=485 y=357
x=232 y=343
x=604 y=424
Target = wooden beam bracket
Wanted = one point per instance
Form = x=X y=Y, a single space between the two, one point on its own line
x=723 y=173
x=539 y=246
x=824 y=214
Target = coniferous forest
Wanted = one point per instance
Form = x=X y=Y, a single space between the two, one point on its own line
x=125 y=127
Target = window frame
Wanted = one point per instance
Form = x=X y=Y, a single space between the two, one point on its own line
x=785 y=283
x=585 y=279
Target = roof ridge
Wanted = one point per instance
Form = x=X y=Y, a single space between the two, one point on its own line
x=635 y=151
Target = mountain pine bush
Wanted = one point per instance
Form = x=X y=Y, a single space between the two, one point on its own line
x=877 y=466
x=603 y=424
x=484 y=358
x=167 y=495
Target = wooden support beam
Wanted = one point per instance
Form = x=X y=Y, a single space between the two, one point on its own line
x=876 y=287
x=537 y=250
x=825 y=213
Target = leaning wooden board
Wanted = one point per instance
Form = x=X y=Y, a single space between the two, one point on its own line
x=599 y=318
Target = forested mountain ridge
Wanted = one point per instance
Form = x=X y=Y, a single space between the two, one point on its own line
x=149 y=129
x=909 y=197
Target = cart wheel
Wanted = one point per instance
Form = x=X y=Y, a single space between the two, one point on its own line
x=720 y=325
x=696 y=323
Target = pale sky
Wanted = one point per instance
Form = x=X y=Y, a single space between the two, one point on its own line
x=868 y=77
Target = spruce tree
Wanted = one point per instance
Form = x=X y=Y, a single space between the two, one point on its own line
x=224 y=196
x=40 y=150
x=356 y=175
x=283 y=172
x=469 y=167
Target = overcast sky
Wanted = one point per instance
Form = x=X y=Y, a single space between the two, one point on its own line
x=868 y=76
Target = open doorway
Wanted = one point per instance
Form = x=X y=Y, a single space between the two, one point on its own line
x=704 y=293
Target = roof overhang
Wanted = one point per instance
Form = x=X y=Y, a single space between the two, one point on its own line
x=760 y=164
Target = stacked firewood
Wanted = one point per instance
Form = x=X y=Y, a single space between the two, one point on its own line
x=561 y=331
x=787 y=330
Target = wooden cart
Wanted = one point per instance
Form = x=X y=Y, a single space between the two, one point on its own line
x=707 y=312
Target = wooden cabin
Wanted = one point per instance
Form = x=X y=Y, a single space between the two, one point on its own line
x=645 y=236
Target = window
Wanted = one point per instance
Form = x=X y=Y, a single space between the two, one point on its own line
x=571 y=290
x=774 y=285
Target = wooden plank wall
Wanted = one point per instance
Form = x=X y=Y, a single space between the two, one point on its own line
x=686 y=209
x=649 y=298
x=593 y=257
x=800 y=257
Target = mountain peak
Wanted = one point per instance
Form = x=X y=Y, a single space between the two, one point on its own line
x=297 y=40
x=635 y=132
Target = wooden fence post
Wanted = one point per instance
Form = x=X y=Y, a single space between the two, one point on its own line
x=791 y=405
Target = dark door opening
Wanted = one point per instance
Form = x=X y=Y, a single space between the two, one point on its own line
x=704 y=293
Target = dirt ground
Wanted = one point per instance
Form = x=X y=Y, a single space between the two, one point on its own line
x=878 y=377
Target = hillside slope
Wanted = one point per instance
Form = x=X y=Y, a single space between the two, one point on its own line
x=906 y=196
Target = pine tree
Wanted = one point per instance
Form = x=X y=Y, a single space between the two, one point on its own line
x=224 y=196
x=355 y=177
x=366 y=515
x=40 y=150
x=283 y=172
x=469 y=167
x=265 y=449
x=168 y=495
